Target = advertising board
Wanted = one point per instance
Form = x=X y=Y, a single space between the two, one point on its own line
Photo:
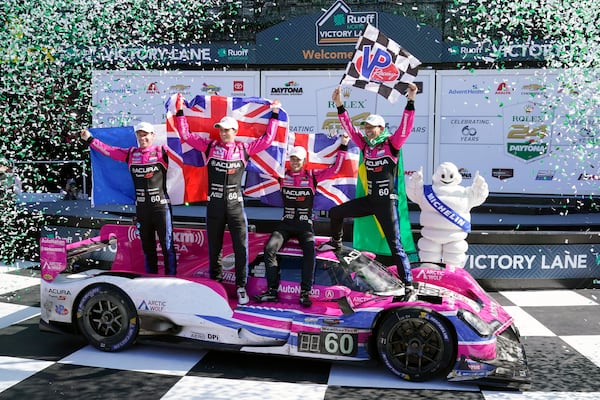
x=523 y=130
x=125 y=97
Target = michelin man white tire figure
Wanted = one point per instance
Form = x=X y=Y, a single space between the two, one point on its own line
x=445 y=212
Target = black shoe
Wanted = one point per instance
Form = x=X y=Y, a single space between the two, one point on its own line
x=334 y=245
x=304 y=299
x=269 y=295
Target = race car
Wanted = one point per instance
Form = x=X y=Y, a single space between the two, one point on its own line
x=449 y=326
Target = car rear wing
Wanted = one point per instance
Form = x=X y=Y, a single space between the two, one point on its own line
x=86 y=246
x=56 y=255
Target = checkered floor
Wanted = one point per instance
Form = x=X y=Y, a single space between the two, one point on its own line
x=560 y=329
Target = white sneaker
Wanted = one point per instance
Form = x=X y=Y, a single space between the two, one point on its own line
x=242 y=296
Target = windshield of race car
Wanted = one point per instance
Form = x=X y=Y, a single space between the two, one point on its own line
x=361 y=273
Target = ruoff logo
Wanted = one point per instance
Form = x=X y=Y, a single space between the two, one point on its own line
x=340 y=26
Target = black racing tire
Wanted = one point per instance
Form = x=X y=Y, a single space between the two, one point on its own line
x=107 y=318
x=416 y=344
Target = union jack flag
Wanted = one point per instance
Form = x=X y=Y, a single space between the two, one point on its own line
x=322 y=153
x=252 y=114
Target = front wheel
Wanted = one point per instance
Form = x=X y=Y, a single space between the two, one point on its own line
x=416 y=344
x=107 y=318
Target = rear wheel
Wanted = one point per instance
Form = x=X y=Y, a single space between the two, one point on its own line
x=107 y=318
x=416 y=344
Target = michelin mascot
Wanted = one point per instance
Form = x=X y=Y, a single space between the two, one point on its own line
x=445 y=213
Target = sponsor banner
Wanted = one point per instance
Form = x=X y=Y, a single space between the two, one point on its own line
x=123 y=98
x=336 y=31
x=494 y=122
x=330 y=39
x=490 y=51
x=516 y=128
x=214 y=53
x=537 y=261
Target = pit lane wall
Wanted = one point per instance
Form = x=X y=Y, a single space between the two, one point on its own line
x=497 y=259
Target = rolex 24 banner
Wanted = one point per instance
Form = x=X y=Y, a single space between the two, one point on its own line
x=380 y=65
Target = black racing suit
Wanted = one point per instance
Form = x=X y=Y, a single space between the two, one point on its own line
x=148 y=168
x=298 y=192
x=226 y=163
x=381 y=164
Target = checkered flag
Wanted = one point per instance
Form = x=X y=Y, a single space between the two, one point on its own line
x=380 y=65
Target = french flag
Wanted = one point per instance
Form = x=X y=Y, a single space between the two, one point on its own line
x=111 y=180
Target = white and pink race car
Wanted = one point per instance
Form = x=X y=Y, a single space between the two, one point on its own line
x=450 y=327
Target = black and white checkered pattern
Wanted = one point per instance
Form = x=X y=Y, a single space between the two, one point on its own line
x=559 y=328
x=406 y=63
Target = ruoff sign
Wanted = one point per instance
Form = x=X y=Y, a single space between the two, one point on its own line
x=340 y=26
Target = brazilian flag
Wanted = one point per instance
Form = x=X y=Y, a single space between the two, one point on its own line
x=368 y=235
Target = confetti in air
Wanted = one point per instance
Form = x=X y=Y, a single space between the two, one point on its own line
x=565 y=39
x=48 y=50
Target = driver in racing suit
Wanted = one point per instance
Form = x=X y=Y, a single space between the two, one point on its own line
x=226 y=161
x=298 y=188
x=148 y=165
x=380 y=151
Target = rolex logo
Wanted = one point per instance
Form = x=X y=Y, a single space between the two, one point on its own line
x=346 y=92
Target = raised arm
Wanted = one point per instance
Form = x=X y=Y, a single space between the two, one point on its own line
x=356 y=135
x=261 y=143
x=334 y=168
x=116 y=153
x=408 y=117
x=183 y=129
